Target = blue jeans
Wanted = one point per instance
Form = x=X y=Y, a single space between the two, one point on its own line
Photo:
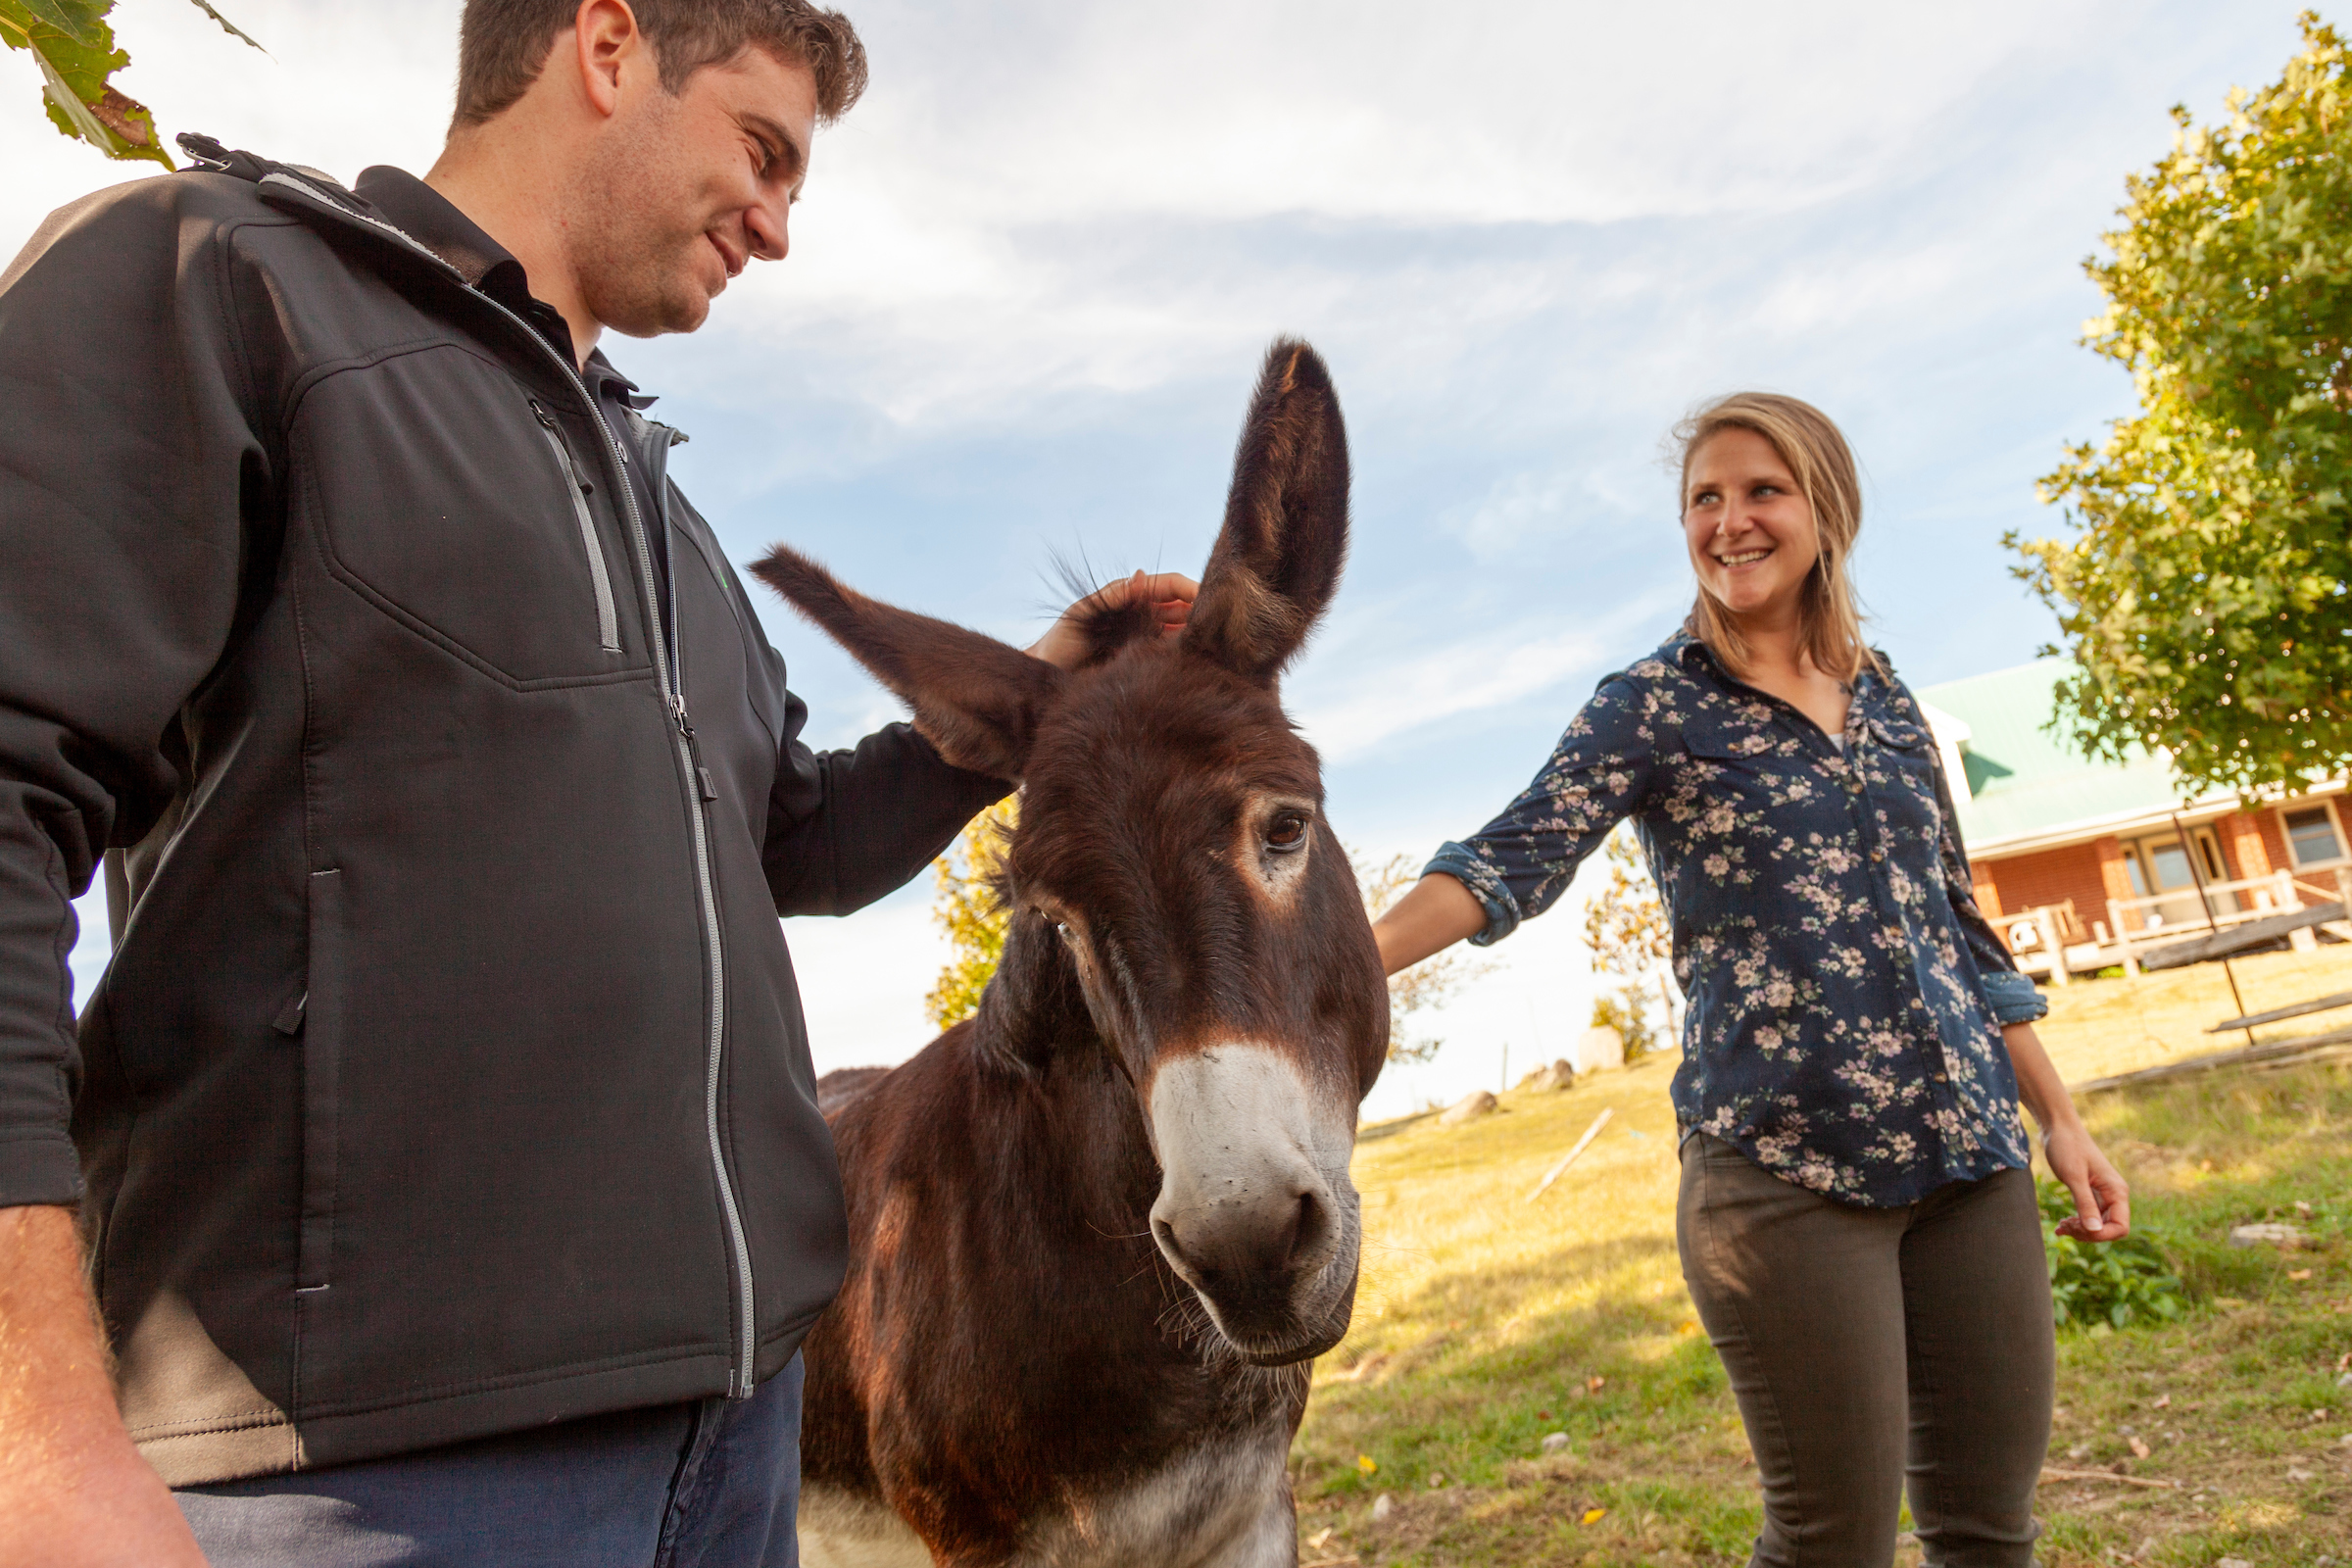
x=707 y=1484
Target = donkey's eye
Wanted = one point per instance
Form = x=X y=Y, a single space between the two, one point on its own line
x=1287 y=832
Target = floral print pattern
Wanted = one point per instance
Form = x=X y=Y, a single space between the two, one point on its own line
x=1845 y=994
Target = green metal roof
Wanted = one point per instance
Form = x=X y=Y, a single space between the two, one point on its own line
x=2024 y=780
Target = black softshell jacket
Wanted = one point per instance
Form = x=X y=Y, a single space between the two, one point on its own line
x=449 y=1076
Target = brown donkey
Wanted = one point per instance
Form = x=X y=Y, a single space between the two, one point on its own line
x=1098 y=1230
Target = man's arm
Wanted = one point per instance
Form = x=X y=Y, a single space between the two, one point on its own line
x=73 y=1490
x=847 y=827
x=123 y=469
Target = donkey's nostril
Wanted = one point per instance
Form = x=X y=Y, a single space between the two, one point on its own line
x=1312 y=1233
x=1238 y=1242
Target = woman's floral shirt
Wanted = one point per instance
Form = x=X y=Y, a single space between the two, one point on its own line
x=1845 y=995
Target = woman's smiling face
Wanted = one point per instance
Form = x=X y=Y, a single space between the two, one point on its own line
x=1749 y=528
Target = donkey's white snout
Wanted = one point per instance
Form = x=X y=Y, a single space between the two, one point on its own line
x=1248 y=1172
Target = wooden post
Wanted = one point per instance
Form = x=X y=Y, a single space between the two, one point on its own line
x=1569 y=1158
x=2052 y=940
x=2122 y=939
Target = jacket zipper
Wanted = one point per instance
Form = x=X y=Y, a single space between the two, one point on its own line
x=608 y=623
x=738 y=1377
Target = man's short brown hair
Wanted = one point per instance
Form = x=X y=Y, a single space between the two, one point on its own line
x=502 y=44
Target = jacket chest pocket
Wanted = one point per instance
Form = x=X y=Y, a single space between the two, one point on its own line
x=456 y=504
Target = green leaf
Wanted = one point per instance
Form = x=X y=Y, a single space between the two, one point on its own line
x=226 y=26
x=2205 y=592
x=76 y=50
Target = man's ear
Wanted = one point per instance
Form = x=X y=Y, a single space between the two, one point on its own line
x=1277 y=559
x=976 y=699
x=606 y=40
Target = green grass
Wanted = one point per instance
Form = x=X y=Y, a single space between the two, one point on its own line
x=1485 y=1322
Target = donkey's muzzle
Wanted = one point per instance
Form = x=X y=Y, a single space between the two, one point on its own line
x=1237 y=1245
x=1255 y=1212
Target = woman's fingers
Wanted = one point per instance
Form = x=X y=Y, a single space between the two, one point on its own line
x=2088 y=1217
x=2115 y=1199
x=2102 y=1197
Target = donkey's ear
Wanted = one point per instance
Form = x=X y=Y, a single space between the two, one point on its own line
x=1277 y=559
x=976 y=699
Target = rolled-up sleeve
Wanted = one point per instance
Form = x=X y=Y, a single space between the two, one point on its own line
x=1519 y=864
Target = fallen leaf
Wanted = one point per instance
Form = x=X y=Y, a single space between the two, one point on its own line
x=1593 y=1516
x=1437 y=1481
x=1321 y=1539
x=2160 y=1401
x=2139 y=1449
x=1597 y=1384
x=2298 y=1273
x=1366 y=1463
x=1382 y=1508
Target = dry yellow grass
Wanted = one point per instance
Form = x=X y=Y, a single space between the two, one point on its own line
x=2100 y=1027
x=1485 y=1321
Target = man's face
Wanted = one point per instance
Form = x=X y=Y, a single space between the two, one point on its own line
x=687 y=191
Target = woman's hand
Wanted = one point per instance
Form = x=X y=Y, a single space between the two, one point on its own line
x=1170 y=593
x=2102 y=1197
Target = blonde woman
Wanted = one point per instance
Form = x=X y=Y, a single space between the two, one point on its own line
x=1857 y=1220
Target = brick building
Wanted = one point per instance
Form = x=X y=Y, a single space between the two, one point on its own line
x=2095 y=858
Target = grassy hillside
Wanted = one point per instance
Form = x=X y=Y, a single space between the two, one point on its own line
x=1485 y=1321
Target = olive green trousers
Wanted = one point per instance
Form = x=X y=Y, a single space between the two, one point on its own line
x=1874 y=1351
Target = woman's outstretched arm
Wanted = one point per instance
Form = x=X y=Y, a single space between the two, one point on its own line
x=2102 y=1200
x=1437 y=914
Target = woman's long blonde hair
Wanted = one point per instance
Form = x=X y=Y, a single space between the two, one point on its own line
x=1815 y=450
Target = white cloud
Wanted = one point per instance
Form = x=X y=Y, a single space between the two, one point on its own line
x=1383 y=669
x=1527 y=235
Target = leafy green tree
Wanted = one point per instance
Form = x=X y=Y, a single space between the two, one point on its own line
x=1632 y=944
x=969 y=911
x=2203 y=595
x=74 y=47
x=1625 y=1012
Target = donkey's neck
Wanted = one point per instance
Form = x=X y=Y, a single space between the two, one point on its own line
x=1070 y=1118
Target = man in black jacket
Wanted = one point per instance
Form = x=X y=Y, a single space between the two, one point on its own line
x=443 y=1133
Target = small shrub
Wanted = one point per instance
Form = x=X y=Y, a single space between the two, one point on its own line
x=2116 y=1283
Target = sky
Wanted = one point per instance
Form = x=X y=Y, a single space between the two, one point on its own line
x=1035 y=270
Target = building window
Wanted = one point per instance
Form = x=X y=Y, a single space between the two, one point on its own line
x=2312 y=838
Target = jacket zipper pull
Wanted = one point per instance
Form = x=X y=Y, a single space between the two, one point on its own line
x=548 y=419
x=677 y=711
